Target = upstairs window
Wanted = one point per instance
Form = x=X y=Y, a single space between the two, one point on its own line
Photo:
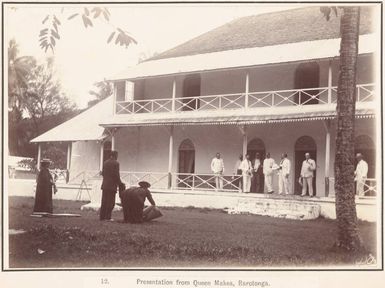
x=124 y=91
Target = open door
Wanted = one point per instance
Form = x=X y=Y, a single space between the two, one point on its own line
x=191 y=88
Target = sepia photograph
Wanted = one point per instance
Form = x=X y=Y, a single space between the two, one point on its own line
x=192 y=136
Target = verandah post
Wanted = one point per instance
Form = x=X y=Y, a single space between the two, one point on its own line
x=327 y=158
x=170 y=156
x=38 y=156
x=247 y=90
x=101 y=156
x=173 y=95
x=330 y=82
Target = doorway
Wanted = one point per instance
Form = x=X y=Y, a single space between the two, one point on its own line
x=191 y=88
x=307 y=76
x=304 y=144
x=255 y=146
x=186 y=162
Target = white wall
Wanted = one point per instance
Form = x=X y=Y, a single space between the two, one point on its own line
x=262 y=78
x=85 y=156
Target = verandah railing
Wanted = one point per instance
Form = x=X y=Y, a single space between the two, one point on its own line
x=164 y=180
x=370 y=187
x=278 y=98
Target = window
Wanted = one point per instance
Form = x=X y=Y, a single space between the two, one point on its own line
x=124 y=91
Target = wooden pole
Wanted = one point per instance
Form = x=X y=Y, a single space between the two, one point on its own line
x=38 y=156
x=244 y=144
x=69 y=155
x=170 y=156
x=247 y=91
x=101 y=155
x=330 y=82
x=173 y=95
x=327 y=157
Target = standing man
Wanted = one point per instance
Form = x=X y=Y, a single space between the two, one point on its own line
x=283 y=175
x=111 y=181
x=308 y=166
x=268 y=164
x=246 y=173
x=360 y=174
x=218 y=168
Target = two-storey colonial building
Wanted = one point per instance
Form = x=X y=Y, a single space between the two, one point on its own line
x=264 y=83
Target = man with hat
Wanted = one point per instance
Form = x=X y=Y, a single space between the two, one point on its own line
x=44 y=185
x=111 y=181
x=133 y=199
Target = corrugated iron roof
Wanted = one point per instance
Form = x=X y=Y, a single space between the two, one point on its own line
x=84 y=126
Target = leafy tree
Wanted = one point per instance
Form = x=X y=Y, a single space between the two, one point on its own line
x=50 y=34
x=348 y=237
x=103 y=90
x=43 y=96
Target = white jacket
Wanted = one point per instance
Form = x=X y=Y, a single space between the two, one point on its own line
x=246 y=167
x=308 y=166
x=285 y=167
x=217 y=165
x=361 y=170
x=268 y=164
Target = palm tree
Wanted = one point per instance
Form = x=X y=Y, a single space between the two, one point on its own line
x=18 y=68
x=348 y=237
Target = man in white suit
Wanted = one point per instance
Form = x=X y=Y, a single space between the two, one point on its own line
x=307 y=174
x=283 y=175
x=218 y=168
x=268 y=164
x=360 y=174
x=246 y=173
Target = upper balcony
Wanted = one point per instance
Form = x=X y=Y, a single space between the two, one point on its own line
x=242 y=101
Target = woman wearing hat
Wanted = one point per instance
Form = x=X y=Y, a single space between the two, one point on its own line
x=133 y=202
x=43 y=198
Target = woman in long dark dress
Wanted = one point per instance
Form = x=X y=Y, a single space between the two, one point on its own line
x=43 y=198
x=133 y=202
x=257 y=179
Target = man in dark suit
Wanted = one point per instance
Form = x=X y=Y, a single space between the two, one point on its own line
x=111 y=180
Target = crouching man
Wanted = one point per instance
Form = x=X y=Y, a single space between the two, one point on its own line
x=133 y=199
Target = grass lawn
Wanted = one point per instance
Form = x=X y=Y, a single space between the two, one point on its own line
x=183 y=237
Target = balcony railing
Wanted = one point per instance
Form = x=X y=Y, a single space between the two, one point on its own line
x=370 y=187
x=293 y=97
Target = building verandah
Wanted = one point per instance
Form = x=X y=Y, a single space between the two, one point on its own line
x=179 y=156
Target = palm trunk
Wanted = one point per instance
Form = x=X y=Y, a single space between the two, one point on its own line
x=348 y=234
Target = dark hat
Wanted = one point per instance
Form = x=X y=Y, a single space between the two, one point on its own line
x=144 y=184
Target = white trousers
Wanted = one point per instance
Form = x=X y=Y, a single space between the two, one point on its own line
x=360 y=187
x=246 y=182
x=218 y=181
x=283 y=184
x=307 y=183
x=269 y=182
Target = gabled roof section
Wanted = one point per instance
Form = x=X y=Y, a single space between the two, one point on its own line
x=84 y=126
x=276 y=28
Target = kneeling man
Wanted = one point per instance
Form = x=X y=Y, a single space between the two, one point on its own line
x=133 y=199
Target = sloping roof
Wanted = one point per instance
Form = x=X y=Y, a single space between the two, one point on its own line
x=84 y=126
x=231 y=59
x=224 y=117
x=289 y=26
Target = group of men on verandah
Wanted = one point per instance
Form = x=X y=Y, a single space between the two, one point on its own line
x=252 y=176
